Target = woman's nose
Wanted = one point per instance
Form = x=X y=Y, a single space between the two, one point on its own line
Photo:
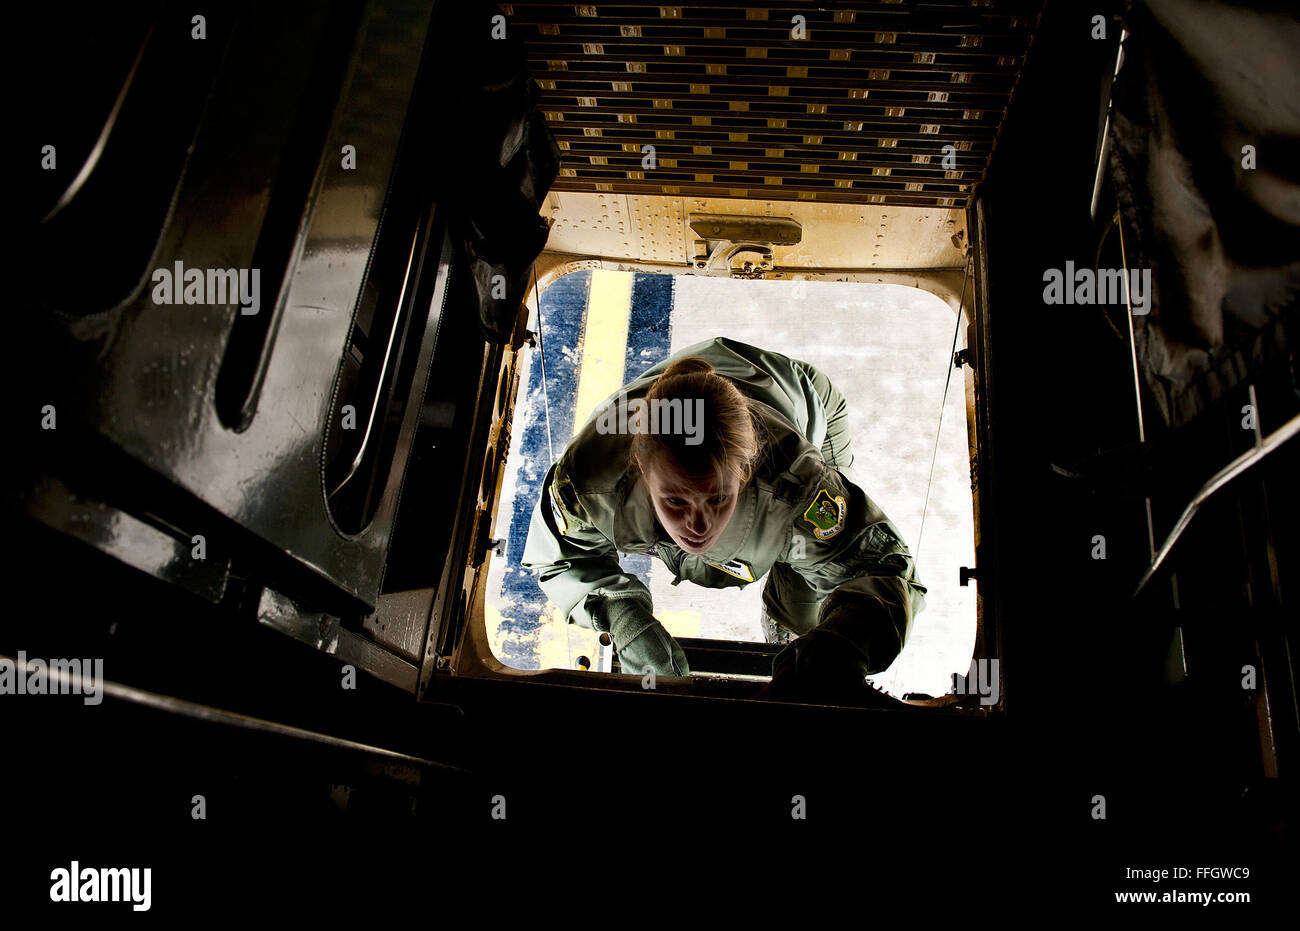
x=697 y=524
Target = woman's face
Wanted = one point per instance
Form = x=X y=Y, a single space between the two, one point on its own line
x=694 y=512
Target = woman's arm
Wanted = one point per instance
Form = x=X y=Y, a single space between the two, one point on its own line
x=847 y=549
x=578 y=569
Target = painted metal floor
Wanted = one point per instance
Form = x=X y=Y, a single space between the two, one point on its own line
x=887 y=349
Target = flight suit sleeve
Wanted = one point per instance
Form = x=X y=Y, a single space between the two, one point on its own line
x=578 y=566
x=854 y=558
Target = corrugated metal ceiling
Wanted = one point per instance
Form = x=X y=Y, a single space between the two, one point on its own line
x=858 y=111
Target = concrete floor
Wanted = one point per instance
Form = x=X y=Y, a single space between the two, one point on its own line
x=887 y=348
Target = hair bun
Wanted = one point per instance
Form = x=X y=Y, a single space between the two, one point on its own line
x=687 y=366
x=731 y=444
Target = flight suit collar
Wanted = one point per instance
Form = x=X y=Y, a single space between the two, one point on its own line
x=736 y=534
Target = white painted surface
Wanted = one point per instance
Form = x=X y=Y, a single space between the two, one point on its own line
x=887 y=348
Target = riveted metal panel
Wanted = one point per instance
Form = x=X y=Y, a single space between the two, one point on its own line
x=655 y=228
x=601 y=221
x=661 y=233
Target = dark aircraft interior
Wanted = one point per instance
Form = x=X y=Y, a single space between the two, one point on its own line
x=284 y=264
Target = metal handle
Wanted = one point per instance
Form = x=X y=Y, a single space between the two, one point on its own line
x=398 y=319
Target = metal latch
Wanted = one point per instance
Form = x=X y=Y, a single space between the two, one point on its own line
x=722 y=237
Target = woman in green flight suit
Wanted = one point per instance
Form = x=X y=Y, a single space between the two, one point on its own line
x=728 y=462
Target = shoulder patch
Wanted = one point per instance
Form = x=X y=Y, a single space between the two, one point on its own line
x=826 y=514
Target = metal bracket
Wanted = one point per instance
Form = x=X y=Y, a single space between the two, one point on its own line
x=962 y=357
x=485 y=543
x=723 y=237
x=128 y=539
x=965 y=574
x=282 y=613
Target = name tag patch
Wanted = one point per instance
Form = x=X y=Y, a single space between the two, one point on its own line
x=737 y=567
x=826 y=514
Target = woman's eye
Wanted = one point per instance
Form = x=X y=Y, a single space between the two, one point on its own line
x=718 y=500
x=675 y=502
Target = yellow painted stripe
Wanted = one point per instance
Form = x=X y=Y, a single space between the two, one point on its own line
x=604 y=344
x=683 y=623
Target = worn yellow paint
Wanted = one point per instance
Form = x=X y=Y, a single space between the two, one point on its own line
x=559 y=644
x=681 y=623
x=604 y=344
x=492 y=622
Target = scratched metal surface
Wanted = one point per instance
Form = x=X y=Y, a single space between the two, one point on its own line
x=144 y=374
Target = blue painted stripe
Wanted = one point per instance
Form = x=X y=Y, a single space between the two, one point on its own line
x=649 y=327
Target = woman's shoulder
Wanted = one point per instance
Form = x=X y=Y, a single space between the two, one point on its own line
x=787 y=454
x=595 y=462
x=724 y=352
x=798 y=488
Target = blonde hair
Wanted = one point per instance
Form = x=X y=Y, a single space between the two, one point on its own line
x=733 y=435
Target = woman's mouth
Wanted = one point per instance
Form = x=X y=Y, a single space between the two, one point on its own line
x=694 y=542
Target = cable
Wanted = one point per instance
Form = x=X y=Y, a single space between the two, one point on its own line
x=961 y=304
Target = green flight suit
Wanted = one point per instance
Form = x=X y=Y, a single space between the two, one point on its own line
x=833 y=559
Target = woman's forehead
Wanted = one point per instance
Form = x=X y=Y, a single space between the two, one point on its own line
x=711 y=489
x=672 y=481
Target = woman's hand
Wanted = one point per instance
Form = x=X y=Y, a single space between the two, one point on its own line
x=820 y=668
x=652 y=649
